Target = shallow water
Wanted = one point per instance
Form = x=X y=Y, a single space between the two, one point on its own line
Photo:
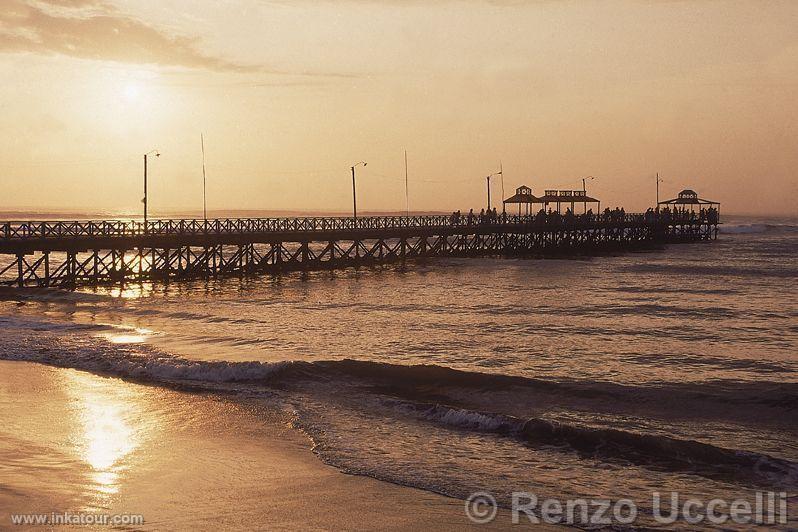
x=672 y=370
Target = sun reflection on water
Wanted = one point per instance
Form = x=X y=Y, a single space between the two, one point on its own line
x=132 y=291
x=126 y=339
x=126 y=334
x=104 y=432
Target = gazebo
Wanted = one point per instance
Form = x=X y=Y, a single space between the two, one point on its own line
x=689 y=197
x=568 y=196
x=523 y=196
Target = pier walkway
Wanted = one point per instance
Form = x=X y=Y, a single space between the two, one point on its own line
x=70 y=253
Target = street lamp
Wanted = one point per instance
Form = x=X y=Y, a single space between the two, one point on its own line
x=584 y=189
x=354 y=191
x=144 y=201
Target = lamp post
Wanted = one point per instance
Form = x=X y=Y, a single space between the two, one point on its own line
x=157 y=154
x=354 y=190
x=488 y=178
x=584 y=190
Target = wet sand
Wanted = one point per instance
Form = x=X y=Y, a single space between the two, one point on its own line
x=72 y=441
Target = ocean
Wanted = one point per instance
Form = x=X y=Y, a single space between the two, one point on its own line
x=610 y=377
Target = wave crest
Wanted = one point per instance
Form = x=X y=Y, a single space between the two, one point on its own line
x=654 y=451
x=148 y=366
x=757 y=228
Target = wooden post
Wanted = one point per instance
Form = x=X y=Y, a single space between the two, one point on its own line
x=20 y=277
x=46 y=268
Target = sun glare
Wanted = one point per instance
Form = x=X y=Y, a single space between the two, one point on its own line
x=132 y=92
x=105 y=432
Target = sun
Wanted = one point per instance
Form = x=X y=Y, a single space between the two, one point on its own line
x=132 y=92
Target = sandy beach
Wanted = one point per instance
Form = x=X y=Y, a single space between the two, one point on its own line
x=76 y=442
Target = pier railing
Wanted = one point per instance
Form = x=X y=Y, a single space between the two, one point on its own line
x=109 y=228
x=68 y=253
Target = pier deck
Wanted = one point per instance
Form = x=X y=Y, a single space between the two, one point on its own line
x=69 y=253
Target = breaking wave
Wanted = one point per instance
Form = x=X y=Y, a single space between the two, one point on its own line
x=648 y=450
x=144 y=364
x=754 y=228
x=143 y=361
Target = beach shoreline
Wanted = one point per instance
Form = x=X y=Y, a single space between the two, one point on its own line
x=220 y=450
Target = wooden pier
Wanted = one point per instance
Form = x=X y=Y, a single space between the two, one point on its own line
x=67 y=254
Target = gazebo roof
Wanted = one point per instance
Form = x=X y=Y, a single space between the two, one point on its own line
x=522 y=198
x=523 y=194
x=567 y=196
x=688 y=197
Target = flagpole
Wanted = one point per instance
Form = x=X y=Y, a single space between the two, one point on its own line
x=501 y=173
x=204 y=200
x=407 y=193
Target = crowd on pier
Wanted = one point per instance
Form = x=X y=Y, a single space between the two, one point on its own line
x=709 y=215
x=618 y=214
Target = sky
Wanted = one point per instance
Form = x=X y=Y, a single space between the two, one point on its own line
x=289 y=94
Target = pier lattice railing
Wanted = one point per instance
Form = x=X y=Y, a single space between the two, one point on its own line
x=69 y=253
x=23 y=230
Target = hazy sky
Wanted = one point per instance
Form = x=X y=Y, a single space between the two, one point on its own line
x=289 y=94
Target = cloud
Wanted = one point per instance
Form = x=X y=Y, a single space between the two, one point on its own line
x=90 y=29
x=72 y=3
